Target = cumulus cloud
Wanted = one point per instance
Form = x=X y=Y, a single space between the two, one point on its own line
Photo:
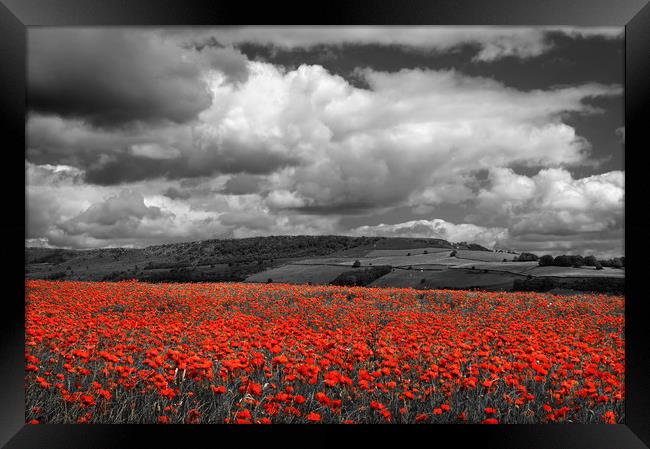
x=492 y=43
x=126 y=206
x=336 y=146
x=553 y=210
x=111 y=77
x=63 y=211
x=553 y=202
x=123 y=217
x=415 y=133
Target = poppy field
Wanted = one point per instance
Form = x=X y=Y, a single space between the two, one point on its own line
x=131 y=352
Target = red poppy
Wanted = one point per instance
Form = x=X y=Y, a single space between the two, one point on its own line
x=313 y=417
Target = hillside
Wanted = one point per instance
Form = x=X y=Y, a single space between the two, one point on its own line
x=338 y=260
x=208 y=260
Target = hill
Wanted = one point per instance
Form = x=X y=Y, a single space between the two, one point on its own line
x=207 y=260
x=371 y=261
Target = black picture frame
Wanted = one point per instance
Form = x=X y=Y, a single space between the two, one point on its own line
x=17 y=15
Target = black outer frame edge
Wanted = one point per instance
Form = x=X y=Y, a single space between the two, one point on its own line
x=171 y=12
x=637 y=333
x=12 y=225
x=351 y=12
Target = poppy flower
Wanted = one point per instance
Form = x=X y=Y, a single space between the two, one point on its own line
x=609 y=417
x=421 y=417
x=313 y=417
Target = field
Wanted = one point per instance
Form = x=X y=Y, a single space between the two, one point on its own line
x=298 y=273
x=456 y=278
x=435 y=268
x=130 y=352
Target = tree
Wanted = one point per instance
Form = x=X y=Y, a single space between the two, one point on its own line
x=590 y=261
x=526 y=257
x=563 y=261
x=545 y=261
x=577 y=261
x=356 y=264
x=452 y=254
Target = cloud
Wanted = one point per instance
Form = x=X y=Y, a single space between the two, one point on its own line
x=63 y=211
x=220 y=146
x=122 y=216
x=48 y=186
x=336 y=147
x=125 y=219
x=554 y=211
x=125 y=206
x=154 y=151
x=435 y=228
x=550 y=212
x=413 y=134
x=53 y=175
x=109 y=157
x=175 y=194
x=450 y=193
x=283 y=199
x=242 y=184
x=112 y=77
x=553 y=202
x=121 y=167
x=313 y=144
x=492 y=43
x=620 y=132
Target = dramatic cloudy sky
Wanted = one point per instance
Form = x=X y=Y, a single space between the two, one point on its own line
x=509 y=137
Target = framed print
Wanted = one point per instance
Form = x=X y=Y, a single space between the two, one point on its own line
x=363 y=220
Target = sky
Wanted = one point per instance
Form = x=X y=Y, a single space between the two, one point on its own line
x=511 y=137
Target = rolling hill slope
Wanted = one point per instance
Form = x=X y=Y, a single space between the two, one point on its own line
x=406 y=262
x=208 y=260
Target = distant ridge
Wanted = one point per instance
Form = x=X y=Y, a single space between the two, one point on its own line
x=209 y=260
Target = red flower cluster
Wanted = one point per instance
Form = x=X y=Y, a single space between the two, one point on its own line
x=132 y=352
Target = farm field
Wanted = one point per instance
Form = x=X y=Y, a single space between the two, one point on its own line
x=577 y=272
x=130 y=352
x=433 y=269
x=447 y=278
x=404 y=252
x=484 y=256
x=512 y=267
x=300 y=274
x=415 y=256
